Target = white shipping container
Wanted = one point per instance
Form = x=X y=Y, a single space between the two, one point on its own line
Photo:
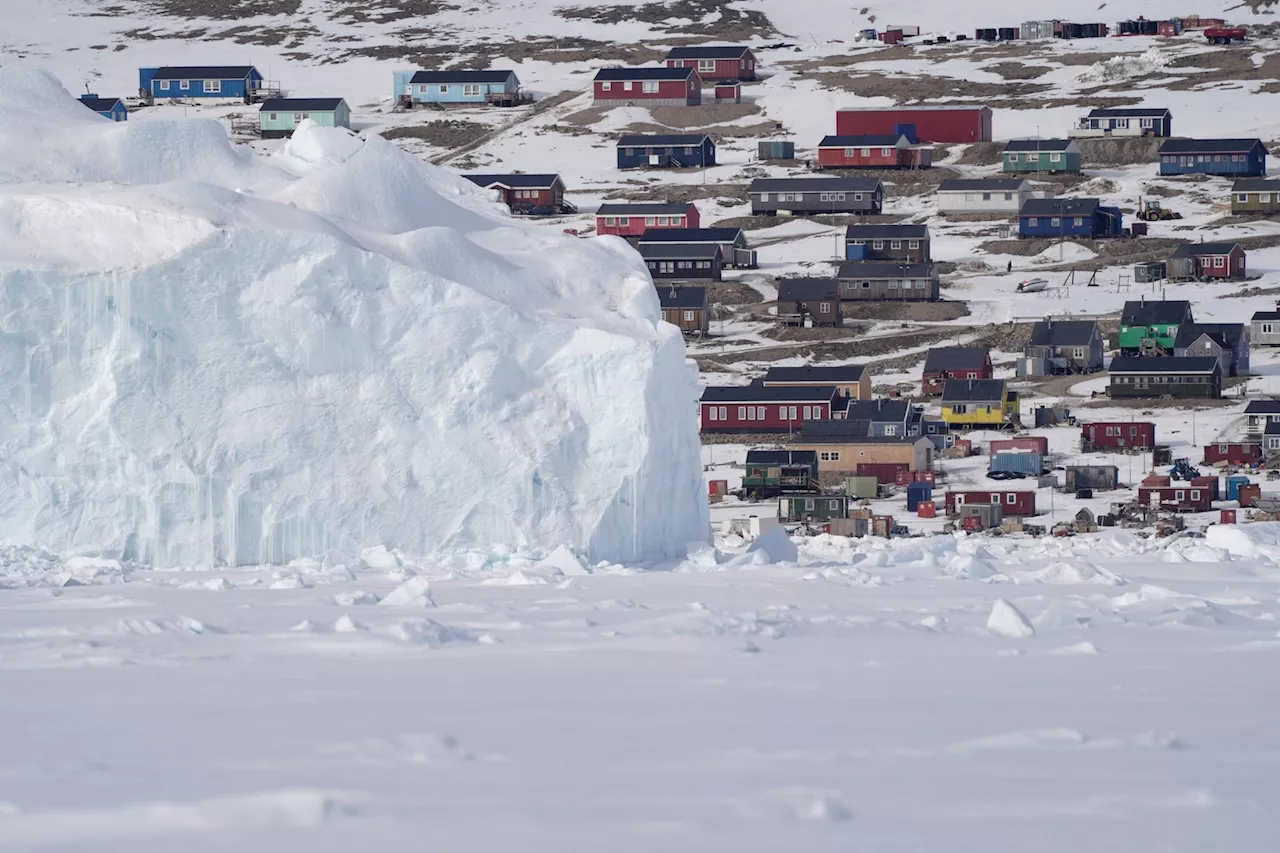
x=906 y=31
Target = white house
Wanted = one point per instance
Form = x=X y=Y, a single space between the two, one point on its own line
x=984 y=195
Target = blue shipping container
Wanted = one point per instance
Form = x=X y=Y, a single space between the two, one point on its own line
x=1017 y=463
x=1234 y=483
x=917 y=493
x=855 y=251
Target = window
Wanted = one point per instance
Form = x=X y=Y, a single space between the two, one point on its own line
x=1055 y=222
x=840 y=196
x=663 y=220
x=711 y=413
x=649 y=86
x=184 y=85
x=808 y=413
x=1079 y=352
x=706 y=65
x=688 y=316
x=470 y=90
x=959 y=409
x=164 y=85
x=650 y=221
x=856 y=196
x=1222 y=448
x=444 y=90
x=1010 y=498
x=834 y=505
x=624 y=220
x=1217 y=158
x=920 y=285
x=797 y=197
x=1032 y=222
x=213 y=85
x=885 y=152
x=914 y=244
x=1179 y=495
x=893 y=285
x=808 y=504
x=1268 y=328
x=866 y=152
x=891 y=429
x=688 y=149
x=606 y=85
x=824 y=196
x=877 y=244
x=895 y=244
x=782 y=412
x=1079 y=221
x=724 y=410
x=297 y=117
x=829 y=456
x=1264 y=198
x=1055 y=158
x=1219 y=261
x=742 y=413
x=1007 y=196
x=1133 y=431
x=274 y=117
x=848 y=152
x=1013 y=158
x=824 y=307
x=610 y=220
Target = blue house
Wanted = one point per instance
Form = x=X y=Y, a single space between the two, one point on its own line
x=238 y=82
x=112 y=108
x=456 y=87
x=1125 y=121
x=1237 y=158
x=1068 y=217
x=666 y=151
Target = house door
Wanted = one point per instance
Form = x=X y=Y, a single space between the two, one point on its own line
x=655 y=159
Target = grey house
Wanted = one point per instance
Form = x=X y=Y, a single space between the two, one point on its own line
x=1062 y=346
x=1265 y=328
x=1271 y=438
x=1134 y=376
x=809 y=301
x=816 y=195
x=887 y=243
x=734 y=251
x=1227 y=342
x=885 y=418
x=1258 y=414
x=682 y=261
x=888 y=281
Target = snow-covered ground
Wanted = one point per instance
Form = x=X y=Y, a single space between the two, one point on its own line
x=951 y=694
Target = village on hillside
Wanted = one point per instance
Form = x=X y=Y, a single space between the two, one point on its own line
x=910 y=314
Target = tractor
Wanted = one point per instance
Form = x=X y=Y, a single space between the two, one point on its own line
x=1153 y=211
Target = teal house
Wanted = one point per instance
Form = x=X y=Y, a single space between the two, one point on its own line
x=279 y=117
x=1042 y=155
x=112 y=108
x=457 y=87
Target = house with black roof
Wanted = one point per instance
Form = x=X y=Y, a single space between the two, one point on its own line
x=1041 y=155
x=682 y=261
x=1125 y=121
x=946 y=363
x=983 y=195
x=809 y=302
x=757 y=408
x=1227 y=342
x=889 y=242
x=1151 y=325
x=458 y=86
x=280 y=117
x=888 y=281
x=883 y=417
x=1258 y=414
x=1206 y=261
x=1256 y=196
x=715 y=61
x=846 y=447
x=809 y=196
x=1231 y=158
x=1068 y=217
x=769 y=473
x=527 y=195
x=685 y=308
x=872 y=151
x=666 y=151
x=632 y=219
x=1062 y=346
x=978 y=404
x=1135 y=376
x=734 y=251
x=242 y=83
x=112 y=108
x=647 y=87
x=851 y=380
x=1265 y=328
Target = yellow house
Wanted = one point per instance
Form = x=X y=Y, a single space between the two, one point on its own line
x=978 y=403
x=852 y=380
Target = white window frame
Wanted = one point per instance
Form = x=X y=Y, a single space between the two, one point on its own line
x=824 y=307
x=688 y=316
x=212 y=86
x=891 y=430
x=1055 y=157
x=649 y=86
x=470 y=90
x=895 y=244
x=913 y=244
x=164 y=85
x=711 y=413
x=611 y=220
x=273 y=117
x=706 y=65
x=1010 y=499
x=444 y=88
x=606 y=85
x=184 y=85
x=1264 y=198
x=650 y=221
x=724 y=413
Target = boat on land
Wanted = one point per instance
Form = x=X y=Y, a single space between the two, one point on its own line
x=1033 y=285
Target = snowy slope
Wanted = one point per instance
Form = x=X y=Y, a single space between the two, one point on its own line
x=331 y=348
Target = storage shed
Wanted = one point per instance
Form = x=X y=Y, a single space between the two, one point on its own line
x=666 y=151
x=918 y=123
x=1100 y=478
x=280 y=117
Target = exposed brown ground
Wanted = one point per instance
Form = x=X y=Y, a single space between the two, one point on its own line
x=451 y=133
x=926 y=312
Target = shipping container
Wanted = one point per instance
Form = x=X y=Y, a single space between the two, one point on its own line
x=1248 y=494
x=1093 y=477
x=918 y=493
x=1015 y=503
x=1025 y=443
x=906 y=478
x=885 y=472
x=718 y=487
x=908 y=31
x=927 y=509
x=863 y=488
x=1228 y=516
x=892 y=36
x=776 y=149
x=1233 y=486
x=1007 y=33
x=1211 y=484
x=1033 y=30
x=1017 y=462
x=986 y=34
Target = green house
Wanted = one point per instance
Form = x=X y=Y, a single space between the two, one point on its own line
x=1150 y=327
x=279 y=117
x=1042 y=155
x=817 y=508
x=769 y=473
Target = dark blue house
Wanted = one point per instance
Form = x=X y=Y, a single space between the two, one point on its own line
x=112 y=108
x=673 y=151
x=238 y=82
x=1236 y=158
x=1068 y=217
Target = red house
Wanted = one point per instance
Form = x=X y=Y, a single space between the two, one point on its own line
x=1193 y=261
x=1014 y=504
x=943 y=363
x=1024 y=444
x=631 y=220
x=527 y=194
x=1180 y=498
x=650 y=87
x=1117 y=435
x=918 y=124
x=862 y=152
x=1234 y=453
x=715 y=62
x=757 y=408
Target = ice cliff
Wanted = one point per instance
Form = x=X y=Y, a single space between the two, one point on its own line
x=214 y=355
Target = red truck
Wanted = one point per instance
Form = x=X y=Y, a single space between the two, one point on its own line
x=1224 y=35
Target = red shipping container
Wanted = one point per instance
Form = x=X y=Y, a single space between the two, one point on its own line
x=886 y=473
x=1025 y=444
x=1249 y=494
x=1157 y=480
x=927 y=509
x=1209 y=483
x=718 y=487
x=965 y=444
x=972 y=523
x=906 y=478
x=891 y=36
x=1228 y=516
